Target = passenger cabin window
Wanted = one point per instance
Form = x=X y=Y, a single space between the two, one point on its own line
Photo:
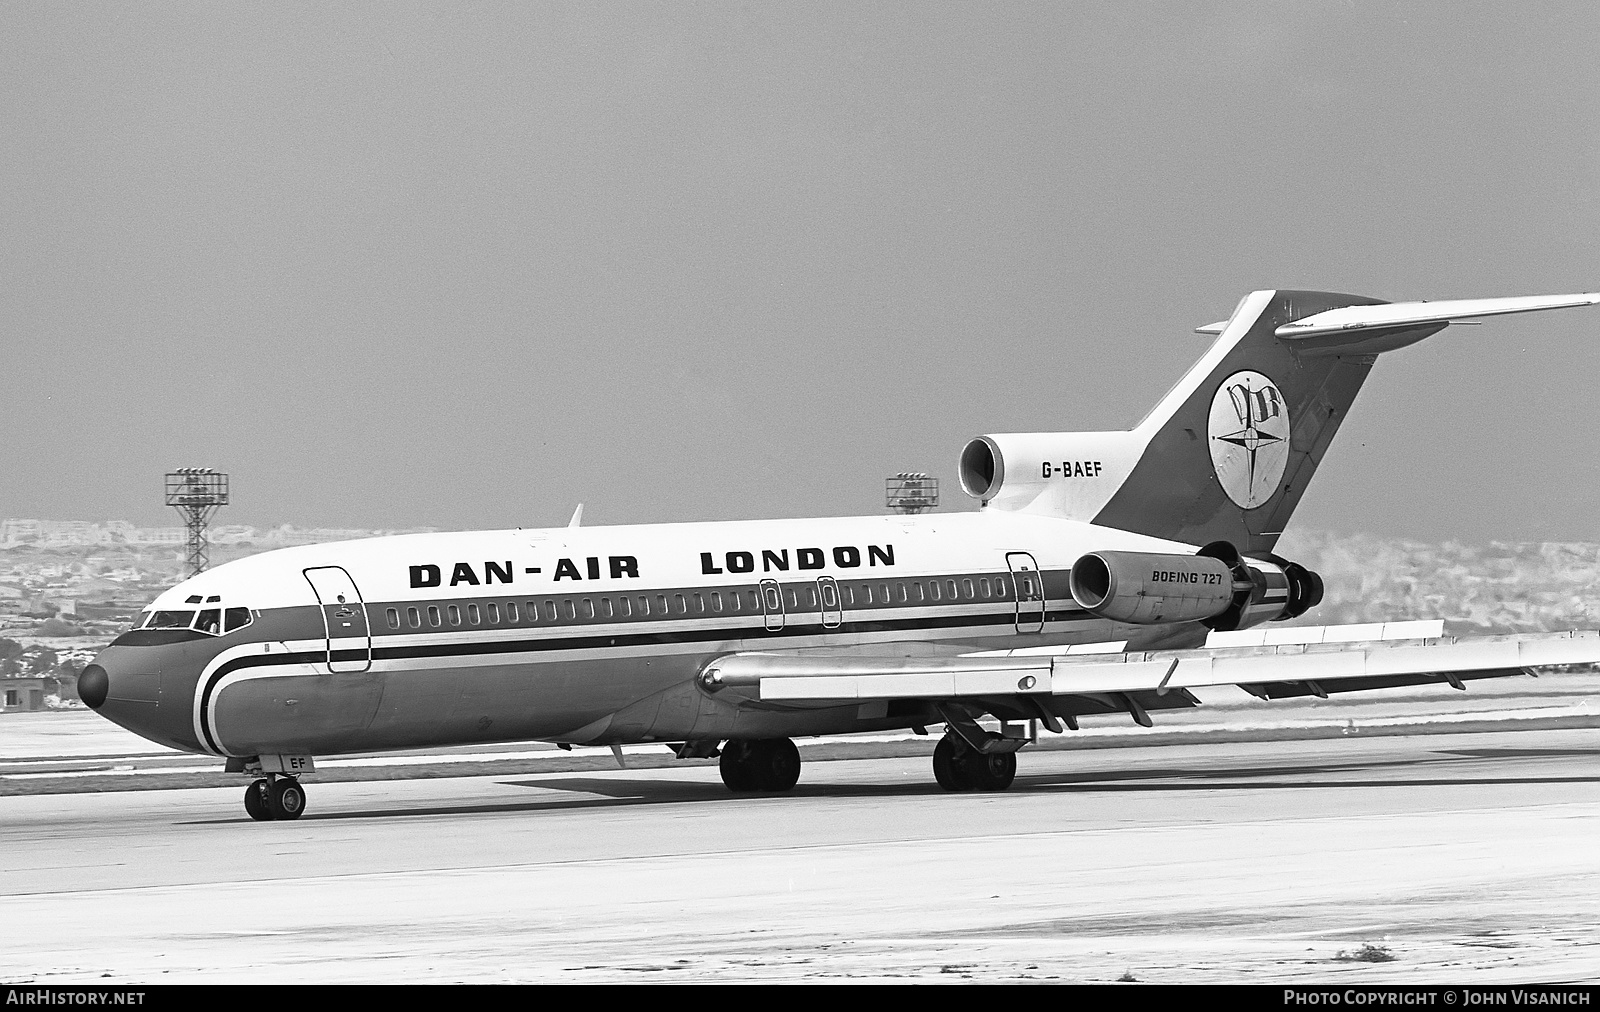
x=454 y=613
x=414 y=618
x=494 y=612
x=393 y=614
x=511 y=611
x=472 y=614
x=433 y=615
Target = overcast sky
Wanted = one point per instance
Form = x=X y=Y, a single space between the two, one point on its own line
x=464 y=266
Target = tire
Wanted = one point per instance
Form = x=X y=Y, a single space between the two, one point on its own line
x=944 y=765
x=736 y=768
x=776 y=764
x=255 y=801
x=287 y=799
x=993 y=772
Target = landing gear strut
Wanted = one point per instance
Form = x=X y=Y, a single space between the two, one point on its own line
x=766 y=764
x=959 y=767
x=275 y=797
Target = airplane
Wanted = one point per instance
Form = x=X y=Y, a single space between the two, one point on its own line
x=1103 y=573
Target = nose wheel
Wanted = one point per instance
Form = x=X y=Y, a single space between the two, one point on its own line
x=276 y=798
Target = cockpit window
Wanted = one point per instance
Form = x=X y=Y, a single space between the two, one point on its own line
x=209 y=622
x=237 y=618
x=169 y=620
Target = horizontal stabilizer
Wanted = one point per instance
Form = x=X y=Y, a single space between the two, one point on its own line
x=1412 y=314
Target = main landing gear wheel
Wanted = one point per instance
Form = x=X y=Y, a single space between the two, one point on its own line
x=958 y=768
x=767 y=764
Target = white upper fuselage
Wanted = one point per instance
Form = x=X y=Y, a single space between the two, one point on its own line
x=549 y=560
x=583 y=634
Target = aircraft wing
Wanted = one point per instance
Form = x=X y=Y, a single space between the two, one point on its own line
x=1331 y=663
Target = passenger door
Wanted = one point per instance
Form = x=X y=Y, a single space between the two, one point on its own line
x=1029 y=584
x=344 y=618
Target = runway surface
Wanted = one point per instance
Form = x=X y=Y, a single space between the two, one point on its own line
x=1470 y=857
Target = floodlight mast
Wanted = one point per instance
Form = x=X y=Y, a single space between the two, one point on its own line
x=196 y=492
x=911 y=492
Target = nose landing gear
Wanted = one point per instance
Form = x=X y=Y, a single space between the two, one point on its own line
x=275 y=797
x=275 y=794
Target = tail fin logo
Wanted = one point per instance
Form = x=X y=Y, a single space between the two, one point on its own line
x=1249 y=438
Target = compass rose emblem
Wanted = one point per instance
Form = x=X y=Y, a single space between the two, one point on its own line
x=1249 y=430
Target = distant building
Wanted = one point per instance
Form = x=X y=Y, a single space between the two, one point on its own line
x=24 y=694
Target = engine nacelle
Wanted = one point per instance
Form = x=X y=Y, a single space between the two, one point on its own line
x=1149 y=587
x=1278 y=589
x=1067 y=474
x=1216 y=586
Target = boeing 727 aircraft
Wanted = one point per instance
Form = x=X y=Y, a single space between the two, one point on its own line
x=1104 y=572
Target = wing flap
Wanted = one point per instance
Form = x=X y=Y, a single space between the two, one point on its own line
x=1330 y=662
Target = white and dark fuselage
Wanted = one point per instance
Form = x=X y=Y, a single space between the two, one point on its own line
x=597 y=635
x=586 y=635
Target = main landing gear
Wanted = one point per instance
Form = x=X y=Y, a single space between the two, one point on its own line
x=960 y=767
x=766 y=764
x=275 y=797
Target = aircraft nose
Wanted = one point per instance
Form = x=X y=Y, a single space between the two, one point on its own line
x=93 y=686
x=148 y=693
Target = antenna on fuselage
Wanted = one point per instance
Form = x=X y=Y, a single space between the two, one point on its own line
x=196 y=492
x=911 y=492
x=577 y=517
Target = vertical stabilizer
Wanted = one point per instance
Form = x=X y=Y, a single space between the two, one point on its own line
x=1229 y=451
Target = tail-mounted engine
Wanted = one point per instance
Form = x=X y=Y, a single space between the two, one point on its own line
x=1216 y=586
